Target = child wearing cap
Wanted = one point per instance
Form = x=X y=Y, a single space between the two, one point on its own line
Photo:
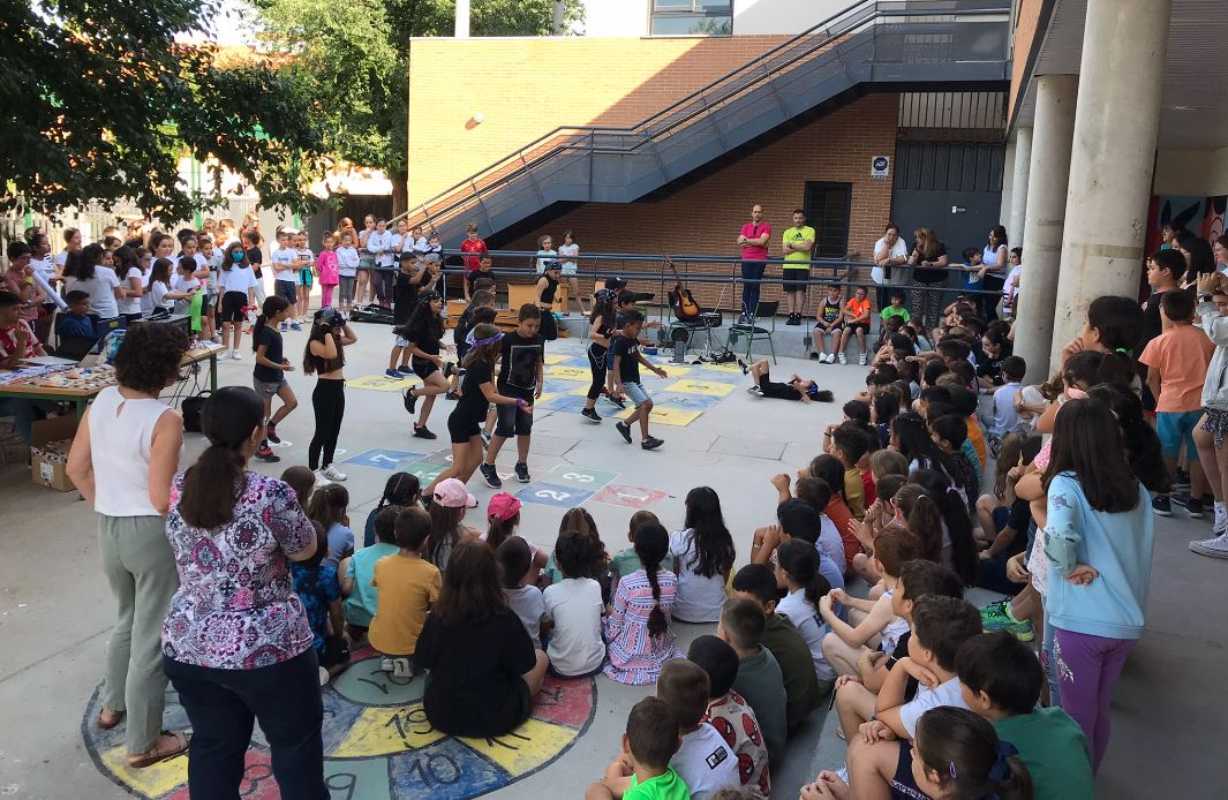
x=503 y=518
x=408 y=585
x=450 y=499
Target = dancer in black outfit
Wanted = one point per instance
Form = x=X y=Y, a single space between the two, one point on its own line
x=547 y=287
x=477 y=393
x=424 y=332
x=521 y=375
x=601 y=327
x=325 y=358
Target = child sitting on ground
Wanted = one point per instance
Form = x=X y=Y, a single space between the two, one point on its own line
x=302 y=481
x=1001 y=680
x=637 y=627
x=703 y=759
x=315 y=583
x=848 y=445
x=757 y=584
x=408 y=586
x=642 y=770
x=516 y=569
x=355 y=573
x=626 y=561
x=759 y=678
x=797 y=567
x=729 y=712
x=402 y=490
x=578 y=520
x=702 y=556
x=328 y=507
x=503 y=518
x=574 y=607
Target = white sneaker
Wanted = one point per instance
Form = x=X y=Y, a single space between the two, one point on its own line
x=843 y=359
x=1212 y=548
x=235 y=355
x=861 y=359
x=333 y=474
x=827 y=358
x=1221 y=519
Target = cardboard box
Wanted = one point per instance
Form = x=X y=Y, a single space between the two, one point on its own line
x=49 y=445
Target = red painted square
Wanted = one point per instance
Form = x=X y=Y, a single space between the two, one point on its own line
x=257 y=783
x=629 y=496
x=566 y=701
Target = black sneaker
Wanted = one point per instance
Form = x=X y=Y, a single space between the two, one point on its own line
x=742 y=365
x=491 y=476
x=411 y=401
x=1182 y=479
x=1192 y=505
x=613 y=400
x=652 y=443
x=814 y=355
x=624 y=429
x=267 y=455
x=522 y=472
x=270 y=433
x=422 y=432
x=590 y=414
x=1161 y=505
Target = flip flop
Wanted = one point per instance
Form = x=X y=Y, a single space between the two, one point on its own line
x=114 y=720
x=159 y=753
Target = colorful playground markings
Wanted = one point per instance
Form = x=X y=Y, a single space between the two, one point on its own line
x=692 y=402
x=691 y=386
x=380 y=383
x=383 y=459
x=378 y=746
x=629 y=496
x=668 y=415
x=581 y=477
x=567 y=402
x=672 y=370
x=549 y=494
x=556 y=358
x=732 y=369
x=425 y=471
x=569 y=373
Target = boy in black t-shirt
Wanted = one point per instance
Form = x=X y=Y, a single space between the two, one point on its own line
x=520 y=376
x=625 y=349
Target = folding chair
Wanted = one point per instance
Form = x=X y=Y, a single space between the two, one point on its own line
x=753 y=331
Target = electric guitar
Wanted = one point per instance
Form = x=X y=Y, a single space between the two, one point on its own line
x=680 y=298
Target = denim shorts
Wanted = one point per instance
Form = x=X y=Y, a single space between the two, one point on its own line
x=636 y=393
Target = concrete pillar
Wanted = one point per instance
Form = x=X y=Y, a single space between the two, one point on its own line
x=1008 y=180
x=462 y=19
x=1049 y=177
x=1117 y=120
x=1019 y=185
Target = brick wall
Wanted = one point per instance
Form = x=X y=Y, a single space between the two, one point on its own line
x=1025 y=35
x=527 y=87
x=704 y=217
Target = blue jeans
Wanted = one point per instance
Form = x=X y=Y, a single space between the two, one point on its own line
x=752 y=273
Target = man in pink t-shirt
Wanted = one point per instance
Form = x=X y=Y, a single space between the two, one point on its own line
x=753 y=239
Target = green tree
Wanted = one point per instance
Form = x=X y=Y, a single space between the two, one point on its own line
x=101 y=99
x=352 y=60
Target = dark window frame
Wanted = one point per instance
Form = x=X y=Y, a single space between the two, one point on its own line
x=824 y=241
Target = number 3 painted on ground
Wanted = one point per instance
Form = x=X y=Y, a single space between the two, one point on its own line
x=578 y=477
x=553 y=495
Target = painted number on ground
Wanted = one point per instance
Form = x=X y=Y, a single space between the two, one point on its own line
x=581 y=477
x=629 y=496
x=383 y=459
x=550 y=494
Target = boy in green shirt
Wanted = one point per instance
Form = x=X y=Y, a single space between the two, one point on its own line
x=642 y=771
x=1000 y=679
x=896 y=309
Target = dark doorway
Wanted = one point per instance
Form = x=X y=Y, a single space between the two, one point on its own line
x=827 y=206
x=954 y=188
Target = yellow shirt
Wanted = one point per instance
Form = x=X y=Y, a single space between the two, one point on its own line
x=855 y=492
x=802 y=234
x=407 y=585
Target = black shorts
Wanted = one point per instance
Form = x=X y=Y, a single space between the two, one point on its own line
x=462 y=428
x=779 y=391
x=205 y=304
x=902 y=783
x=795 y=278
x=512 y=420
x=232 y=306
x=423 y=368
x=859 y=326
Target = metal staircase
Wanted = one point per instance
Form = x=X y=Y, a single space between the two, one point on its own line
x=898 y=45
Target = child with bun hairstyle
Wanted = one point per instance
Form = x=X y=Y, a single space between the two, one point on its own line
x=637 y=628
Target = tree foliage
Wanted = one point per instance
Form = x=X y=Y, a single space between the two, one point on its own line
x=101 y=100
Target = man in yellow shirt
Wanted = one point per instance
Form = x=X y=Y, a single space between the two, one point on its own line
x=798 y=243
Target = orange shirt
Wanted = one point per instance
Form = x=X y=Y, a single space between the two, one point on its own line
x=977 y=437
x=839 y=513
x=857 y=309
x=1181 y=355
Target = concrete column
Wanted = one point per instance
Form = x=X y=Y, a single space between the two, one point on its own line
x=1019 y=185
x=1049 y=177
x=462 y=19
x=1117 y=120
x=1008 y=180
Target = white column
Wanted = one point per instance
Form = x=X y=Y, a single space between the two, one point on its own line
x=1008 y=181
x=1117 y=121
x=1049 y=177
x=1019 y=185
x=462 y=19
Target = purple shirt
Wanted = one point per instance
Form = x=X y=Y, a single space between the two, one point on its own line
x=236 y=607
x=752 y=231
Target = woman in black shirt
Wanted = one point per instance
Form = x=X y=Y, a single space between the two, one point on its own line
x=484 y=670
x=477 y=393
x=423 y=333
x=929 y=260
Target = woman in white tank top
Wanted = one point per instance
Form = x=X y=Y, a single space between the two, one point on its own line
x=123 y=458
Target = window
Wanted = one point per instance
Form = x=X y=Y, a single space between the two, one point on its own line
x=827 y=207
x=691 y=17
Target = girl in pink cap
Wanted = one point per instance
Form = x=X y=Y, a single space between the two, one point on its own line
x=503 y=517
x=450 y=499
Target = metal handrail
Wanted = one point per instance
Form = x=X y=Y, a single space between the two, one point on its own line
x=940 y=7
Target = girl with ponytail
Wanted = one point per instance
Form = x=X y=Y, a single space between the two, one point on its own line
x=959 y=551
x=797 y=568
x=637 y=629
x=269 y=374
x=235 y=629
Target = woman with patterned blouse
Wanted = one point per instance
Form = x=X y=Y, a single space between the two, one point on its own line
x=236 y=642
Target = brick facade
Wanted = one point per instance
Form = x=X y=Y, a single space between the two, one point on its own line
x=704 y=217
x=526 y=87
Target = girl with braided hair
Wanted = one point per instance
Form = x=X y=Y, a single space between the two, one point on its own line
x=637 y=629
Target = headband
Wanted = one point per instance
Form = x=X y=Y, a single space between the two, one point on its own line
x=488 y=340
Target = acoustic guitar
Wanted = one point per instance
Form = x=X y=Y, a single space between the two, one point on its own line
x=680 y=298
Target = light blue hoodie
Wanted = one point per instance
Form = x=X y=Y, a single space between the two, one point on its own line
x=1117 y=545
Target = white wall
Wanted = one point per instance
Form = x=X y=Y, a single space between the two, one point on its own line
x=630 y=17
x=616 y=17
x=1192 y=173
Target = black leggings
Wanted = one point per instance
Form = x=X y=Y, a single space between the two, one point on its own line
x=328 y=402
x=596 y=362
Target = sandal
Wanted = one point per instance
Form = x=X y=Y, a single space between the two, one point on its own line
x=168 y=745
x=108 y=719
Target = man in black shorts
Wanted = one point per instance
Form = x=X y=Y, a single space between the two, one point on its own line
x=520 y=376
x=798 y=388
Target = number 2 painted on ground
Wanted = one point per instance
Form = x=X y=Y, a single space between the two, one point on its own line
x=553 y=495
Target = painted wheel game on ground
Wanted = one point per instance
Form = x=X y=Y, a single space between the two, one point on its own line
x=378 y=743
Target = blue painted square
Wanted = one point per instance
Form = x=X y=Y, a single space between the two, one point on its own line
x=564 y=403
x=556 y=386
x=446 y=770
x=691 y=402
x=550 y=494
x=384 y=459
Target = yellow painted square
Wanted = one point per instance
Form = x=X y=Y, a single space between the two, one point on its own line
x=528 y=747
x=732 y=369
x=569 y=373
x=152 y=781
x=709 y=388
x=555 y=358
x=383 y=731
x=668 y=415
x=380 y=383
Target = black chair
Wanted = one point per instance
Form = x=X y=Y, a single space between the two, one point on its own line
x=705 y=322
x=753 y=331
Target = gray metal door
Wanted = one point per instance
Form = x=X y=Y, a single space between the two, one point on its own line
x=953 y=188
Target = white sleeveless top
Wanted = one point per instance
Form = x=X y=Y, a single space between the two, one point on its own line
x=989 y=256
x=121 y=431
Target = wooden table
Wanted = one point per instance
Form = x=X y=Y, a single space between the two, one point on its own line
x=80 y=398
